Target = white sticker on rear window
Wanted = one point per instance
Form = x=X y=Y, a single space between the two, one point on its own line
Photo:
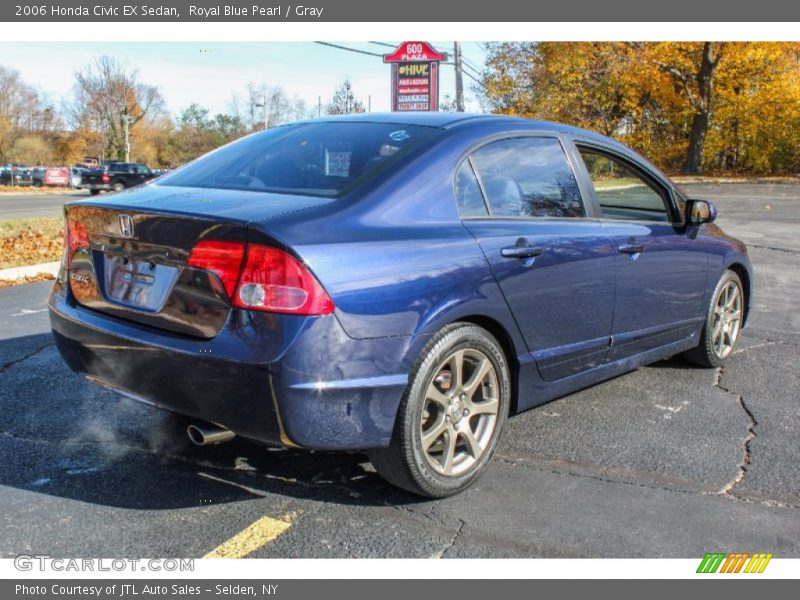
x=400 y=135
x=337 y=164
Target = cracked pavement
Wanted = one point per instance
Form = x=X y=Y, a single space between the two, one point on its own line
x=751 y=425
x=667 y=461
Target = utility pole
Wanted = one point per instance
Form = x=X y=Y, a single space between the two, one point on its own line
x=126 y=124
x=266 y=115
x=369 y=103
x=459 y=77
x=319 y=106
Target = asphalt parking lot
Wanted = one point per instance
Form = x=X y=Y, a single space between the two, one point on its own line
x=666 y=461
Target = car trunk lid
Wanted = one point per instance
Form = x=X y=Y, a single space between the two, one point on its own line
x=130 y=253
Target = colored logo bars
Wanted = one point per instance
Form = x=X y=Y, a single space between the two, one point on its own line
x=733 y=563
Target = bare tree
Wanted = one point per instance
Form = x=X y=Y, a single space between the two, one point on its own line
x=106 y=94
x=24 y=113
x=344 y=101
x=280 y=107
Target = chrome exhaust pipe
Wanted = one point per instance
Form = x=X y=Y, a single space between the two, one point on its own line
x=209 y=435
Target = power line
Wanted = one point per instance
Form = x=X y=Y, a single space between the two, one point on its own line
x=475 y=70
x=385 y=44
x=484 y=48
x=349 y=49
x=475 y=79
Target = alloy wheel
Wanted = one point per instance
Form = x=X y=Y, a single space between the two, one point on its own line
x=727 y=319
x=460 y=412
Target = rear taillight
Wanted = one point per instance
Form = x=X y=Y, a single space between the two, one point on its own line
x=105 y=178
x=75 y=237
x=220 y=257
x=270 y=279
x=275 y=281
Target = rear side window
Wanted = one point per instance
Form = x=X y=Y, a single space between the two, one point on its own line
x=468 y=193
x=322 y=159
x=528 y=177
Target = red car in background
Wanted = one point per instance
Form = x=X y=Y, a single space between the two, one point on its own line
x=57 y=176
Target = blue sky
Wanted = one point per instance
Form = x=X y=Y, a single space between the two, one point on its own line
x=210 y=73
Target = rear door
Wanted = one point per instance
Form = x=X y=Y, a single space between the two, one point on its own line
x=660 y=267
x=555 y=264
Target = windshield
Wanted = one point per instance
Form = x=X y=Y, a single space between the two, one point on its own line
x=322 y=159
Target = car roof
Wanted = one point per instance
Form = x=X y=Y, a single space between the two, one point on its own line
x=429 y=119
x=448 y=120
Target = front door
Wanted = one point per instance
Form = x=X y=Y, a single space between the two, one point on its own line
x=660 y=267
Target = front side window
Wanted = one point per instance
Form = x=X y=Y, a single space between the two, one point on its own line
x=528 y=177
x=621 y=192
x=321 y=159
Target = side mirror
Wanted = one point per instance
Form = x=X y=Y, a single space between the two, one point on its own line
x=699 y=212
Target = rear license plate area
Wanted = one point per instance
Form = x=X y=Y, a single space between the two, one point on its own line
x=140 y=284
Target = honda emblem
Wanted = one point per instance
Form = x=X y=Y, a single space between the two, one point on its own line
x=125 y=226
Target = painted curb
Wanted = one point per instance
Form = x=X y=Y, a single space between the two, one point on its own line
x=51 y=268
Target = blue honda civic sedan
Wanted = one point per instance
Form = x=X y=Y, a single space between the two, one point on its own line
x=394 y=283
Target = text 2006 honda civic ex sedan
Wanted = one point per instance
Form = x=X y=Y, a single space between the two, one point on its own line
x=395 y=283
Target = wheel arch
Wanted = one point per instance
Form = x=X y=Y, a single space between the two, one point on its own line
x=503 y=337
x=744 y=276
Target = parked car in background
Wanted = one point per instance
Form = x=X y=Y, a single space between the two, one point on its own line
x=57 y=177
x=76 y=175
x=116 y=177
x=394 y=283
x=15 y=175
x=37 y=174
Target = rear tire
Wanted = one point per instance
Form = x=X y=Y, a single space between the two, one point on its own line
x=723 y=325
x=94 y=192
x=119 y=187
x=451 y=416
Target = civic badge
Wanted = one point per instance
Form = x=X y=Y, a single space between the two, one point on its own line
x=125 y=226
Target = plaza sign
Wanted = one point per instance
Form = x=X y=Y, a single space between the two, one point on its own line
x=415 y=76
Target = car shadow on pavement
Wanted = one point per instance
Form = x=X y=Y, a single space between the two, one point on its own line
x=675 y=362
x=64 y=437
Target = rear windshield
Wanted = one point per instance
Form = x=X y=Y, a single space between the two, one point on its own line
x=322 y=159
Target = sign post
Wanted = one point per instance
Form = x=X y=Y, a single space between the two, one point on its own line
x=415 y=76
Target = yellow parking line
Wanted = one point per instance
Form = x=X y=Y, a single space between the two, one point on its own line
x=253 y=537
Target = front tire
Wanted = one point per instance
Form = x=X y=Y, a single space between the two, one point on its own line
x=451 y=416
x=723 y=324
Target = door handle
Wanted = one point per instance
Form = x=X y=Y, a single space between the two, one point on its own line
x=521 y=252
x=631 y=248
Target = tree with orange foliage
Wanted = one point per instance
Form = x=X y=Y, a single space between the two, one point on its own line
x=688 y=106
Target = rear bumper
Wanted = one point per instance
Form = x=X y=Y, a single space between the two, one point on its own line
x=280 y=379
x=98 y=186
